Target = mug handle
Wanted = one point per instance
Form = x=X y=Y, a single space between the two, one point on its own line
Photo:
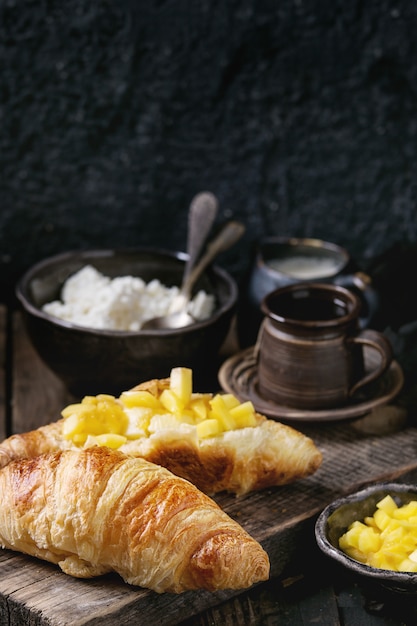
x=377 y=341
x=362 y=283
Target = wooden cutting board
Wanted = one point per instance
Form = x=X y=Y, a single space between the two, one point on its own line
x=377 y=447
x=36 y=593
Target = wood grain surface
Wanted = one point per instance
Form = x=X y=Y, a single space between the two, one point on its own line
x=377 y=447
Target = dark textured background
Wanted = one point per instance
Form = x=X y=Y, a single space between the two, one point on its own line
x=300 y=116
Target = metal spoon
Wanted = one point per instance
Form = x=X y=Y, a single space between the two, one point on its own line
x=229 y=235
x=201 y=216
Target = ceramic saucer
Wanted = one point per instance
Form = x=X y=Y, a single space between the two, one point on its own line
x=238 y=375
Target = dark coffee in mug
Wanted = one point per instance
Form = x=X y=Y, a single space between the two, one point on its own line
x=306 y=305
x=310 y=347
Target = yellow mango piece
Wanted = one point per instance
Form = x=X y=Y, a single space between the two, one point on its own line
x=171 y=402
x=387 y=504
x=80 y=438
x=380 y=561
x=382 y=519
x=110 y=440
x=71 y=409
x=392 y=535
x=356 y=554
x=181 y=384
x=208 y=428
x=72 y=425
x=200 y=408
x=220 y=412
x=352 y=535
x=243 y=414
x=89 y=400
x=369 y=540
x=229 y=400
x=187 y=416
x=407 y=565
x=407 y=511
x=140 y=398
x=206 y=397
x=370 y=521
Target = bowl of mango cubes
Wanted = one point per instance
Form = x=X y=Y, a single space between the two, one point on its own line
x=373 y=533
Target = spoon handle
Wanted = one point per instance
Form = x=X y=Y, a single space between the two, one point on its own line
x=227 y=237
x=201 y=216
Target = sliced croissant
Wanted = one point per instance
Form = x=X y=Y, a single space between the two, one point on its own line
x=266 y=454
x=97 y=511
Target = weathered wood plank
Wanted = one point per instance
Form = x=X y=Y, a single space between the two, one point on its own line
x=278 y=518
x=38 y=395
x=37 y=593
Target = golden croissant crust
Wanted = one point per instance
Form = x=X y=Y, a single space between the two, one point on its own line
x=97 y=510
x=266 y=454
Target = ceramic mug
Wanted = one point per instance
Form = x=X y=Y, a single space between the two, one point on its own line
x=283 y=261
x=310 y=347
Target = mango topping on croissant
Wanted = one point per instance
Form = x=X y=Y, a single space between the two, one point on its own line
x=109 y=421
x=213 y=440
x=96 y=511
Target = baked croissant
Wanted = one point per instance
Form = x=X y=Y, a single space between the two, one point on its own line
x=97 y=511
x=265 y=454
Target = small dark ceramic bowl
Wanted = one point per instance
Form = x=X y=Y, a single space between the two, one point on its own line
x=93 y=361
x=337 y=516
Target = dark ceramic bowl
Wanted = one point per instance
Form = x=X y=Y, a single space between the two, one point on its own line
x=337 y=516
x=93 y=361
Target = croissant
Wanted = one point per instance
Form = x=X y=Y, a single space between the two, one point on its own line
x=240 y=460
x=97 y=511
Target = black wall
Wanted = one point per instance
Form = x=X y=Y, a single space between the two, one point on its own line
x=300 y=115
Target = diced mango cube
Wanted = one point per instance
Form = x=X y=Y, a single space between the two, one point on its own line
x=139 y=398
x=181 y=384
x=407 y=565
x=230 y=400
x=200 y=409
x=171 y=402
x=187 y=416
x=208 y=428
x=369 y=540
x=110 y=440
x=220 y=412
x=71 y=409
x=387 y=504
x=392 y=535
x=243 y=414
x=80 y=438
x=413 y=556
x=370 y=521
x=72 y=425
x=407 y=511
x=382 y=519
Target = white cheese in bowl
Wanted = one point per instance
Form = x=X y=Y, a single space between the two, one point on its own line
x=93 y=300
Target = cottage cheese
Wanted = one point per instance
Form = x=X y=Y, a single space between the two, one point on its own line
x=93 y=300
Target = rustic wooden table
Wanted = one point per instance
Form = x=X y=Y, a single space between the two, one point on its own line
x=305 y=588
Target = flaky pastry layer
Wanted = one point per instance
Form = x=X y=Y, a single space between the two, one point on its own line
x=96 y=511
x=238 y=461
